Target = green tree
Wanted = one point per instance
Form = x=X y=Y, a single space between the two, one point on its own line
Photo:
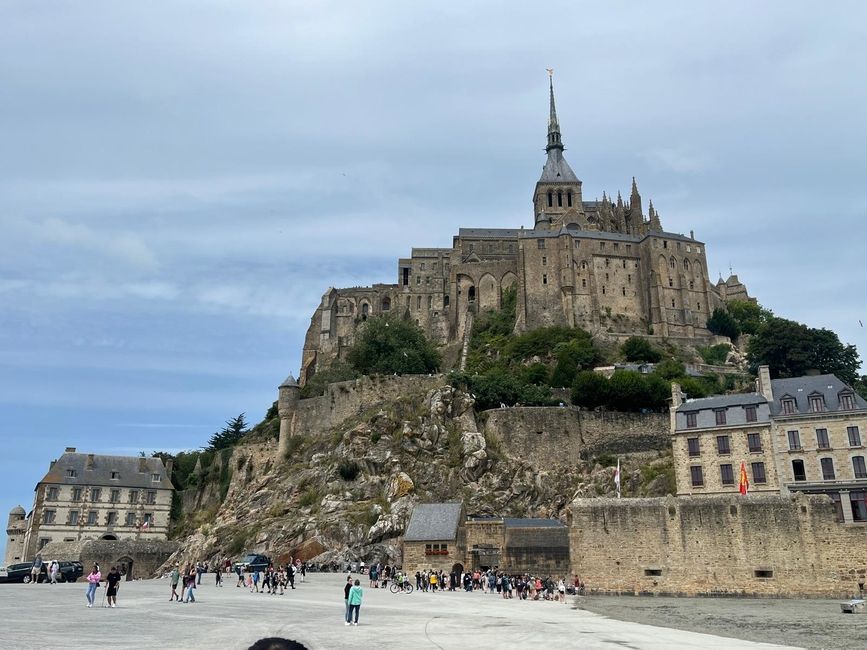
x=636 y=348
x=860 y=386
x=722 y=323
x=229 y=435
x=389 y=345
x=573 y=356
x=590 y=389
x=748 y=315
x=670 y=369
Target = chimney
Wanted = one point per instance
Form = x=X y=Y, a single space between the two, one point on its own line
x=676 y=401
x=763 y=383
x=142 y=465
x=89 y=465
x=51 y=465
x=70 y=450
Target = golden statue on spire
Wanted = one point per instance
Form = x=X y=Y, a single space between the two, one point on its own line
x=550 y=72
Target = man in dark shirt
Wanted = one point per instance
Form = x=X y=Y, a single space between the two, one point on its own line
x=346 y=589
x=113 y=580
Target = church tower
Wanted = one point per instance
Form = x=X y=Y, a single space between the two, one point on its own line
x=557 y=199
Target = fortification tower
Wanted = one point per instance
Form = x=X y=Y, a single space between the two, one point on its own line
x=16 y=529
x=557 y=199
x=287 y=404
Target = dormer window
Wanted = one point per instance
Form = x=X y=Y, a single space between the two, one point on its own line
x=115 y=476
x=787 y=404
x=847 y=401
x=817 y=403
x=71 y=473
x=720 y=417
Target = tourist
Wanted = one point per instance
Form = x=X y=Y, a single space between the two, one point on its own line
x=218 y=576
x=255 y=581
x=561 y=590
x=290 y=574
x=53 y=571
x=190 y=584
x=36 y=569
x=373 y=577
x=174 y=578
x=303 y=570
x=93 y=580
x=240 y=573
x=433 y=581
x=346 y=589
x=354 y=599
x=112 y=585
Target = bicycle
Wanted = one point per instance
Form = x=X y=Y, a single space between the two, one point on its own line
x=406 y=587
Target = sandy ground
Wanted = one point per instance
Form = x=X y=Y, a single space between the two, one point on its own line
x=806 y=623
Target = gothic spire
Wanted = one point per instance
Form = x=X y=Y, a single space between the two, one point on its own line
x=556 y=169
x=554 y=141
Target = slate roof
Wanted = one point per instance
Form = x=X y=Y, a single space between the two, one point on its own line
x=721 y=401
x=432 y=522
x=482 y=233
x=289 y=382
x=100 y=474
x=802 y=387
x=556 y=169
x=18 y=510
x=532 y=523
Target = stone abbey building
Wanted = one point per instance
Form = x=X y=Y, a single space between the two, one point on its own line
x=604 y=265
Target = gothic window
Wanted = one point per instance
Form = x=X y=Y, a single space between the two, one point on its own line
x=672 y=264
x=471 y=294
x=569 y=199
x=386 y=303
x=550 y=199
x=686 y=265
x=365 y=309
x=559 y=199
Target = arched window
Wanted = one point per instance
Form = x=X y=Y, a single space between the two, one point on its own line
x=686 y=265
x=386 y=303
x=569 y=199
x=471 y=294
x=550 y=199
x=559 y=199
x=672 y=264
x=365 y=309
x=446 y=301
x=583 y=266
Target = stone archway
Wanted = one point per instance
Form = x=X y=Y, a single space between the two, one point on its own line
x=125 y=565
x=109 y=537
x=489 y=294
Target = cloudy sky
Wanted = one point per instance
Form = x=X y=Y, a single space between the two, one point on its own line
x=181 y=181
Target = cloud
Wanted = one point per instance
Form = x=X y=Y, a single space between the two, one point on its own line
x=681 y=160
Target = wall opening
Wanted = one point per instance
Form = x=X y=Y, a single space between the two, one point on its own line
x=763 y=573
x=653 y=572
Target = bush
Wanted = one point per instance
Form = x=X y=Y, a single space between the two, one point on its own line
x=572 y=356
x=670 y=369
x=590 y=389
x=348 y=469
x=541 y=342
x=722 y=323
x=389 y=345
x=636 y=348
x=714 y=355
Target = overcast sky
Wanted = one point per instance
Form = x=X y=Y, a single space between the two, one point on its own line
x=180 y=182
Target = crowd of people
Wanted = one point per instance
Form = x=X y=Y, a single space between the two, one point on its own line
x=519 y=585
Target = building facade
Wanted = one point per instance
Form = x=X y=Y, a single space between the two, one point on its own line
x=605 y=265
x=94 y=497
x=802 y=434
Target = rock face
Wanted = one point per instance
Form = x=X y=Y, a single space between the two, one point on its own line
x=347 y=493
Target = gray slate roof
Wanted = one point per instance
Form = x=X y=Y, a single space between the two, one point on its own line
x=802 y=387
x=495 y=233
x=721 y=401
x=431 y=522
x=532 y=523
x=557 y=170
x=103 y=466
x=289 y=382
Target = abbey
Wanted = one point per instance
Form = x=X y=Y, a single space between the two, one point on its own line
x=603 y=265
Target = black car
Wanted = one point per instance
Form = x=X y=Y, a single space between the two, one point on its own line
x=253 y=562
x=70 y=571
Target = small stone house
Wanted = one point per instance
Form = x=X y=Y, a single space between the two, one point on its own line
x=435 y=538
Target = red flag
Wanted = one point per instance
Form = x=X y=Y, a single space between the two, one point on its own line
x=743 y=482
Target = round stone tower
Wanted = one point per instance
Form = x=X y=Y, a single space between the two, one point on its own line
x=287 y=403
x=16 y=529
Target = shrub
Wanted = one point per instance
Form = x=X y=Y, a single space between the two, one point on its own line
x=388 y=345
x=337 y=371
x=670 y=369
x=722 y=323
x=348 y=469
x=590 y=389
x=309 y=498
x=714 y=355
x=636 y=348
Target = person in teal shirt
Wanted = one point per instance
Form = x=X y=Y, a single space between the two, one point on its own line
x=355 y=595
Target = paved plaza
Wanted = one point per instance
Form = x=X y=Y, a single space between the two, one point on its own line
x=49 y=616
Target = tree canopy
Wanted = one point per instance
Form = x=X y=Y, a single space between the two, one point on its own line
x=389 y=344
x=229 y=435
x=636 y=348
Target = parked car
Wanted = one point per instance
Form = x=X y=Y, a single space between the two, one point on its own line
x=70 y=571
x=253 y=562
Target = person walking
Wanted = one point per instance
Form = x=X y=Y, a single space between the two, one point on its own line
x=218 y=575
x=93 y=580
x=240 y=572
x=113 y=580
x=346 y=589
x=175 y=577
x=53 y=570
x=190 y=583
x=36 y=569
x=355 y=595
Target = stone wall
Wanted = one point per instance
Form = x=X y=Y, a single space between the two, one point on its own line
x=142 y=557
x=556 y=436
x=540 y=551
x=416 y=559
x=755 y=545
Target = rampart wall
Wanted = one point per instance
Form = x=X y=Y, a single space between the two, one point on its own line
x=728 y=545
x=143 y=558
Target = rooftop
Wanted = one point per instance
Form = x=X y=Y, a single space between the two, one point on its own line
x=721 y=401
x=434 y=522
x=76 y=469
x=801 y=388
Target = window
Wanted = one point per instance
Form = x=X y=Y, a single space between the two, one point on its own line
x=559 y=199
x=788 y=405
x=569 y=199
x=405 y=276
x=91 y=518
x=151 y=497
x=817 y=403
x=418 y=302
x=798 y=470
x=750 y=412
x=670 y=282
x=696 y=476
x=794 y=440
x=822 y=441
x=723 y=445
x=429 y=306
x=149 y=518
x=847 y=401
x=550 y=199
x=629 y=277
x=76 y=494
x=623 y=290
x=672 y=303
x=73 y=517
x=115 y=476
x=48 y=516
x=544 y=261
x=720 y=417
x=471 y=294
x=858 y=501
x=418 y=279
x=544 y=278
x=446 y=301
x=754 y=442
x=427 y=279
x=606 y=277
x=540 y=244
x=43 y=541
x=603 y=291
x=854 y=436
x=365 y=310
x=386 y=304
x=583 y=283
x=71 y=473
x=691 y=420
x=726 y=474
x=114 y=497
x=52 y=494
x=111 y=519
x=130 y=519
x=95 y=495
x=759 y=473
x=827 y=469
x=422 y=266
x=859 y=467
x=693 y=446
x=133 y=496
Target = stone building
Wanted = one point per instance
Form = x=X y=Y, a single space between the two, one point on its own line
x=605 y=265
x=802 y=434
x=95 y=497
x=435 y=538
x=16 y=529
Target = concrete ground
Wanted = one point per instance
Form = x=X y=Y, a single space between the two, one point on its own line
x=55 y=616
